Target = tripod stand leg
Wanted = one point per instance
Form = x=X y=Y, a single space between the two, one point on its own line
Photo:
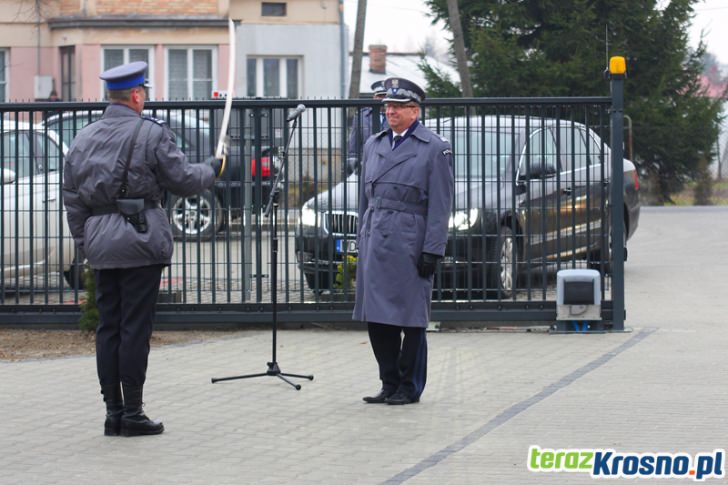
x=219 y=379
x=310 y=378
x=295 y=386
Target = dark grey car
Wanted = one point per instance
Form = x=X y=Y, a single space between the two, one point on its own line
x=529 y=192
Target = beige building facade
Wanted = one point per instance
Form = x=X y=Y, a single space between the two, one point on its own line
x=61 y=46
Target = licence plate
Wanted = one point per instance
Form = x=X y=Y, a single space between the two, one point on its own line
x=346 y=245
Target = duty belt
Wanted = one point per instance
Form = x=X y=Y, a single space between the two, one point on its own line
x=114 y=209
x=397 y=205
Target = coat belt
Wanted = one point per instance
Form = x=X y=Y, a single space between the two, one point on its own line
x=398 y=205
x=114 y=209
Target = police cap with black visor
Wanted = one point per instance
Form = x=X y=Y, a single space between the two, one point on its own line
x=126 y=76
x=378 y=88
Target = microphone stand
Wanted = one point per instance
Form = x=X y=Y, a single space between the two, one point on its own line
x=271 y=211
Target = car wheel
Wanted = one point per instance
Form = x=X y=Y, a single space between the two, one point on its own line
x=324 y=282
x=597 y=258
x=503 y=270
x=198 y=214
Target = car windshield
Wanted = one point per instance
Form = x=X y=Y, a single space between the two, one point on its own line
x=28 y=153
x=481 y=154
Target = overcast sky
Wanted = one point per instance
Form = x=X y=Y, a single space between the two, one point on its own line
x=712 y=17
x=404 y=26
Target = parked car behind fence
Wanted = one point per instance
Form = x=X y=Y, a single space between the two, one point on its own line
x=35 y=238
x=530 y=194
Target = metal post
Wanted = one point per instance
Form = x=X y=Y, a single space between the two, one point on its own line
x=617 y=72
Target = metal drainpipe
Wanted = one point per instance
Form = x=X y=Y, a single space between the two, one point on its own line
x=37 y=25
x=342 y=49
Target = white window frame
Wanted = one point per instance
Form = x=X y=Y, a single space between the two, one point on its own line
x=6 y=81
x=126 y=48
x=190 y=49
x=282 y=75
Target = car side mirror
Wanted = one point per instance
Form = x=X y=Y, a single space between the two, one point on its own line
x=537 y=171
x=8 y=176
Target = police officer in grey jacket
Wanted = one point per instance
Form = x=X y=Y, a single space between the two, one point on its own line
x=124 y=233
x=404 y=208
x=363 y=126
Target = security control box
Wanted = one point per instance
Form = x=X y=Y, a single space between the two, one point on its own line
x=578 y=295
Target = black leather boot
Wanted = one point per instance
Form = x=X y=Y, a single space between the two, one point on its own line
x=114 y=409
x=134 y=422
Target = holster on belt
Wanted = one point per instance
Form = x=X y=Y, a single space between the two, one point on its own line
x=133 y=212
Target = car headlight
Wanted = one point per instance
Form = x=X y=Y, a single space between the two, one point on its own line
x=308 y=217
x=463 y=220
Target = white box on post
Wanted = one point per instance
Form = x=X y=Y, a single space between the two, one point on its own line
x=578 y=295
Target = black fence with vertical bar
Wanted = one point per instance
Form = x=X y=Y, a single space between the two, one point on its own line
x=532 y=196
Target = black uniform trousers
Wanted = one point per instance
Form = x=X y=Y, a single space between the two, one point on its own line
x=402 y=362
x=126 y=299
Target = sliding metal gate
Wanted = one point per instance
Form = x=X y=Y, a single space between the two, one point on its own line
x=533 y=196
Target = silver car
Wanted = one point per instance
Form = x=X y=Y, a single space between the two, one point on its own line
x=35 y=238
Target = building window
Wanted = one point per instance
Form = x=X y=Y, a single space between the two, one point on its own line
x=68 y=73
x=3 y=76
x=273 y=77
x=190 y=73
x=116 y=56
x=273 y=9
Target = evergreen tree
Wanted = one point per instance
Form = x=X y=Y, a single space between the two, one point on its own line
x=560 y=48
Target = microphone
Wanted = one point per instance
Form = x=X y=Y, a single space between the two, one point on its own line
x=296 y=113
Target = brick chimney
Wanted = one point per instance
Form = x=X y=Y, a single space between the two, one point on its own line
x=378 y=58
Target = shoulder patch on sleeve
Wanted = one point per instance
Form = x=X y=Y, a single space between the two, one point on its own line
x=447 y=151
x=155 y=120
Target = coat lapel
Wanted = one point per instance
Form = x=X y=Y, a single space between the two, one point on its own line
x=387 y=159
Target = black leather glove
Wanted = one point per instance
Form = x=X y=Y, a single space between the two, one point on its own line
x=217 y=164
x=427 y=264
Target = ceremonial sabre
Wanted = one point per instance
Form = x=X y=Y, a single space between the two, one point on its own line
x=222 y=141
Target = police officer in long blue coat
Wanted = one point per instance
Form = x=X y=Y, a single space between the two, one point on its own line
x=363 y=126
x=404 y=208
x=128 y=250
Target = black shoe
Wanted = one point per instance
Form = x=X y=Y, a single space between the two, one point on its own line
x=134 y=422
x=399 y=398
x=140 y=425
x=380 y=398
x=114 y=409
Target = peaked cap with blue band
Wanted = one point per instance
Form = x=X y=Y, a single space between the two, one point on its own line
x=400 y=90
x=125 y=76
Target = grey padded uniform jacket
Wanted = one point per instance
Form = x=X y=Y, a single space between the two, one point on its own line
x=92 y=176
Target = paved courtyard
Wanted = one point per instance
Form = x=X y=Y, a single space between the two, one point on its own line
x=660 y=387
